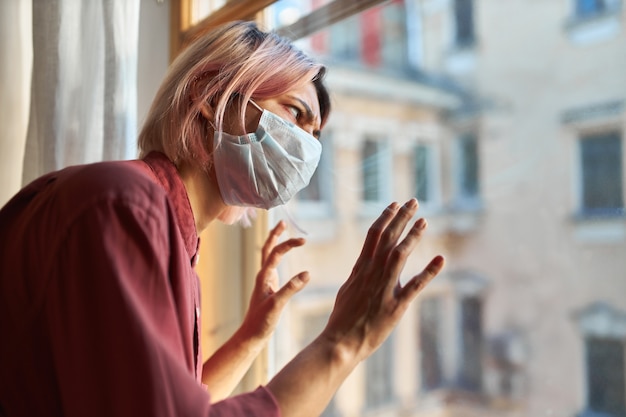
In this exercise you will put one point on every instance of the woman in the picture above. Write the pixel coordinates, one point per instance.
(99, 309)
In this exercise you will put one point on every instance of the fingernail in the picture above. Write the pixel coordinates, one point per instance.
(393, 206)
(421, 223)
(411, 203)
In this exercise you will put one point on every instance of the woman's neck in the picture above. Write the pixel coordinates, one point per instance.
(204, 196)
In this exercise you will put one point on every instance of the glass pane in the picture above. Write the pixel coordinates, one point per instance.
(469, 167)
(516, 137)
(470, 376)
(601, 157)
(430, 350)
(422, 166)
(605, 369)
(370, 168)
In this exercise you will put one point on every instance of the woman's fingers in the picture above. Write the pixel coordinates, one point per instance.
(400, 253)
(376, 230)
(271, 240)
(395, 228)
(273, 258)
(291, 287)
(410, 290)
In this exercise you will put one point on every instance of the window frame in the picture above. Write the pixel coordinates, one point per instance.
(606, 212)
(433, 175)
(599, 320)
(384, 160)
(461, 200)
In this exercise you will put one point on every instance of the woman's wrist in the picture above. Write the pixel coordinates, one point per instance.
(249, 341)
(339, 352)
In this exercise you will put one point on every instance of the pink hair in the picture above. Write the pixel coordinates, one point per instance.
(236, 61)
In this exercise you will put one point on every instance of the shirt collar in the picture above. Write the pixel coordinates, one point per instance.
(167, 175)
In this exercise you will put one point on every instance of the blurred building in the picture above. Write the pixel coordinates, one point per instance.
(505, 119)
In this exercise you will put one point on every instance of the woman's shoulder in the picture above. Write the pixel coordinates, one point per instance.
(97, 189)
(109, 180)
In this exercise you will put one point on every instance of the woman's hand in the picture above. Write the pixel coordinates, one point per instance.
(267, 300)
(367, 308)
(372, 301)
(225, 368)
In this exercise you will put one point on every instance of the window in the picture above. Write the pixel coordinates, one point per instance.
(375, 38)
(345, 44)
(604, 338)
(316, 199)
(605, 376)
(601, 182)
(470, 369)
(393, 42)
(425, 176)
(429, 336)
(594, 21)
(464, 20)
(586, 8)
(468, 187)
(451, 335)
(374, 171)
(379, 376)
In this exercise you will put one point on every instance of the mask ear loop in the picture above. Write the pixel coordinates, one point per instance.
(257, 106)
(290, 220)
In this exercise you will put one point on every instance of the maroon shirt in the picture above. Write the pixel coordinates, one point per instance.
(99, 299)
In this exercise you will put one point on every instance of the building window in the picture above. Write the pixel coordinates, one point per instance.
(605, 376)
(468, 184)
(425, 176)
(374, 171)
(394, 47)
(451, 321)
(345, 40)
(464, 23)
(316, 199)
(470, 369)
(375, 38)
(603, 329)
(379, 376)
(601, 179)
(588, 8)
(429, 336)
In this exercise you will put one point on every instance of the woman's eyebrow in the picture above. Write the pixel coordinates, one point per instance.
(310, 117)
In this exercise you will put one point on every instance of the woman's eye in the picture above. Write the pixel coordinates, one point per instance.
(295, 112)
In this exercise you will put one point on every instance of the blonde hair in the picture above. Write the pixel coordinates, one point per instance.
(234, 61)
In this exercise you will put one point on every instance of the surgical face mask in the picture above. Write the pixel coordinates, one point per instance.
(266, 168)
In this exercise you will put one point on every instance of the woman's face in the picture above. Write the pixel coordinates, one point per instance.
(299, 106)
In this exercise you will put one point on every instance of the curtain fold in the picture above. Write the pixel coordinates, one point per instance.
(83, 93)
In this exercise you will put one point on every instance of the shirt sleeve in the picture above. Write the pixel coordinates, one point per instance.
(115, 333)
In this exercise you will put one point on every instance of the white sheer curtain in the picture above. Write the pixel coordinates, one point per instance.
(83, 94)
(15, 69)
